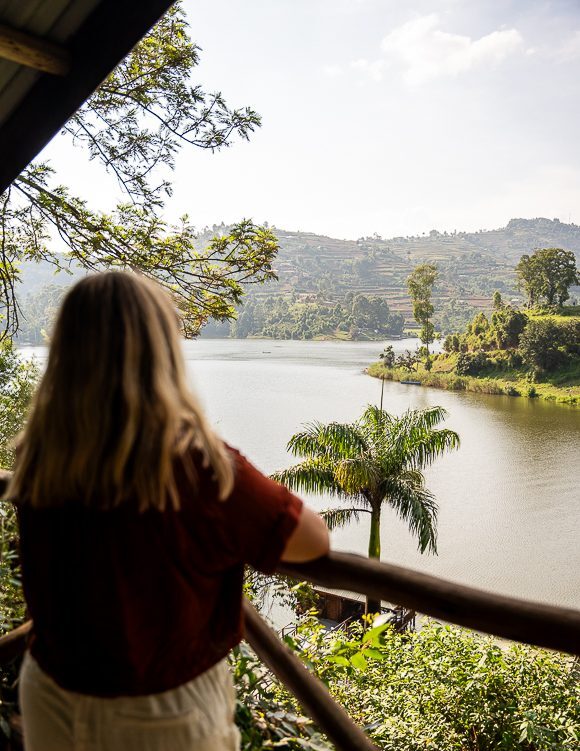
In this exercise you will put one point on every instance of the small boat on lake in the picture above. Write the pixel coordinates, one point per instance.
(411, 383)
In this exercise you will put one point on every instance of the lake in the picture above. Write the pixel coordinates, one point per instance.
(509, 498)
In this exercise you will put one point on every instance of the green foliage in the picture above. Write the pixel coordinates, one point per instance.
(134, 125)
(17, 383)
(547, 275)
(388, 356)
(266, 717)
(356, 317)
(502, 332)
(420, 285)
(442, 688)
(407, 360)
(471, 363)
(508, 325)
(545, 345)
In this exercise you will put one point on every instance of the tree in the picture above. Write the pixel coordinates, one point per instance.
(388, 356)
(134, 125)
(374, 461)
(497, 300)
(547, 275)
(541, 345)
(507, 325)
(420, 285)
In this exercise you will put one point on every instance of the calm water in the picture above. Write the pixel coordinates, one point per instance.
(509, 498)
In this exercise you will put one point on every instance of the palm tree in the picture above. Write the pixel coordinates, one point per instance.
(376, 460)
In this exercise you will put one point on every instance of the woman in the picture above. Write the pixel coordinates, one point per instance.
(135, 523)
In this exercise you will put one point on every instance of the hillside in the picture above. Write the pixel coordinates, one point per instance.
(472, 266)
(316, 273)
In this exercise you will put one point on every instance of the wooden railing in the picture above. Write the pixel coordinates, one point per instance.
(519, 620)
(510, 618)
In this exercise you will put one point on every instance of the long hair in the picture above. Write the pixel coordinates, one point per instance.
(113, 410)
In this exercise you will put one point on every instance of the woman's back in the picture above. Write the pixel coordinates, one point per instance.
(130, 603)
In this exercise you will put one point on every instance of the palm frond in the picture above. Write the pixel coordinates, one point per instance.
(310, 476)
(333, 440)
(420, 419)
(416, 506)
(336, 518)
(356, 475)
(425, 447)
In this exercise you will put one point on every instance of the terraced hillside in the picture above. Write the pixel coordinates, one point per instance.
(319, 275)
(472, 265)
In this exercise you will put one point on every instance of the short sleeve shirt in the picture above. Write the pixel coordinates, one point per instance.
(128, 603)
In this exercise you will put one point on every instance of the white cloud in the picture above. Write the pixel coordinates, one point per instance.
(425, 52)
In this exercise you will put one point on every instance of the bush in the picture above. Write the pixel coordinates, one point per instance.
(542, 345)
(471, 363)
(442, 688)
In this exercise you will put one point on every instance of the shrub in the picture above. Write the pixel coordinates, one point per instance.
(542, 343)
(442, 688)
(471, 363)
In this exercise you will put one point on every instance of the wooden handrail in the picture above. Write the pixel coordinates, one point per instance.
(507, 617)
(309, 690)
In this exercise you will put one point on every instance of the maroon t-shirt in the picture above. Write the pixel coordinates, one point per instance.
(128, 603)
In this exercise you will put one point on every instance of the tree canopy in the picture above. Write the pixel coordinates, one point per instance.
(420, 285)
(547, 275)
(134, 125)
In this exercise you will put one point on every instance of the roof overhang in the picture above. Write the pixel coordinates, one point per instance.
(53, 55)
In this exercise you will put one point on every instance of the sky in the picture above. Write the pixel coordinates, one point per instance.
(381, 116)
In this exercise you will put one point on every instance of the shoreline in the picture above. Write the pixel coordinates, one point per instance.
(521, 387)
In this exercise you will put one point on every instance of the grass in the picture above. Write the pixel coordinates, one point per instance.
(562, 387)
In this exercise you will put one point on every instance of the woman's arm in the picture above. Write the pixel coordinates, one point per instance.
(309, 539)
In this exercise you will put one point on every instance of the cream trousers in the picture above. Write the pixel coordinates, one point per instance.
(197, 716)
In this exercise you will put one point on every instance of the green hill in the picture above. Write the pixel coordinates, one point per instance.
(319, 276)
(316, 268)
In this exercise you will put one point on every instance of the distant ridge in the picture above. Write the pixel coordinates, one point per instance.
(472, 264)
(317, 268)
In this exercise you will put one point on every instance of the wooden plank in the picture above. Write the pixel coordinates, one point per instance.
(510, 618)
(33, 52)
(309, 690)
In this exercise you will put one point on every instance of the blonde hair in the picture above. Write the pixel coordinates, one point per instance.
(113, 410)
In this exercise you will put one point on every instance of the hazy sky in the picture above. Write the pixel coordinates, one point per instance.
(385, 116)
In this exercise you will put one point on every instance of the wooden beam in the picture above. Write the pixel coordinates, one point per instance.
(307, 688)
(519, 620)
(33, 52)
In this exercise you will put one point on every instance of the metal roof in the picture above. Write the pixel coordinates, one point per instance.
(95, 35)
